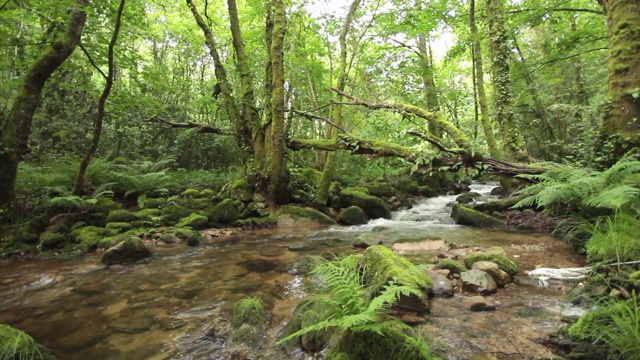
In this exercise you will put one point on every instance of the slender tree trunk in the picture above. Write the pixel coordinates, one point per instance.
(278, 175)
(428, 82)
(80, 184)
(17, 127)
(322, 195)
(511, 137)
(621, 121)
(487, 126)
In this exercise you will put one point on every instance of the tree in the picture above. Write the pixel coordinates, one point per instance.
(17, 127)
(621, 121)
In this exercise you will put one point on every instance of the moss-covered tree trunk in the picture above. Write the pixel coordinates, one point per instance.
(80, 184)
(278, 193)
(487, 126)
(17, 127)
(621, 121)
(512, 141)
(328, 173)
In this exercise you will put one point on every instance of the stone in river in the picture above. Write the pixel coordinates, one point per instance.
(478, 281)
(478, 303)
(493, 269)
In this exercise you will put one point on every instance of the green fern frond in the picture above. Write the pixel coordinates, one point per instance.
(613, 198)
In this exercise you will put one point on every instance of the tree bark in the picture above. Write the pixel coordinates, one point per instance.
(80, 185)
(513, 143)
(487, 125)
(17, 127)
(621, 121)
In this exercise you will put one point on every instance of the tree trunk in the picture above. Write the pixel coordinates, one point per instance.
(15, 132)
(511, 137)
(80, 185)
(487, 126)
(621, 121)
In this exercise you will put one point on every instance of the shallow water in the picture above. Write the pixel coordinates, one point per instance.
(177, 304)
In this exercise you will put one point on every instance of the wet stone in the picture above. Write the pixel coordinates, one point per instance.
(247, 287)
(300, 247)
(88, 334)
(442, 286)
(168, 324)
(258, 265)
(91, 288)
(188, 293)
(491, 268)
(478, 303)
(132, 322)
(478, 281)
(272, 251)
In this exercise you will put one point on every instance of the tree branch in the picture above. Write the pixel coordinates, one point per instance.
(311, 116)
(592, 11)
(566, 58)
(202, 128)
(93, 63)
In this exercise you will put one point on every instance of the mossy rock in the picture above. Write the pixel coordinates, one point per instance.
(464, 215)
(407, 186)
(373, 206)
(51, 240)
(289, 216)
(172, 213)
(120, 216)
(191, 237)
(258, 221)
(383, 265)
(154, 203)
(90, 235)
(427, 191)
(453, 266)
(110, 241)
(362, 189)
(353, 215)
(308, 176)
(191, 193)
(378, 188)
(195, 221)
(104, 205)
(225, 213)
(119, 226)
(148, 214)
(493, 255)
(130, 250)
(467, 198)
(241, 190)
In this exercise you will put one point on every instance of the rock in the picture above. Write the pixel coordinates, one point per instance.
(478, 281)
(191, 193)
(147, 214)
(168, 238)
(427, 191)
(119, 227)
(497, 191)
(120, 216)
(496, 255)
(467, 198)
(130, 250)
(132, 321)
(241, 190)
(353, 215)
(172, 213)
(413, 319)
(51, 240)
(500, 276)
(451, 265)
(225, 213)
(295, 216)
(194, 221)
(369, 239)
(88, 334)
(464, 215)
(478, 303)
(258, 265)
(442, 286)
(373, 206)
(90, 235)
(300, 247)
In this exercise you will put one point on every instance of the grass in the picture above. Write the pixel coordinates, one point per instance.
(17, 345)
(249, 310)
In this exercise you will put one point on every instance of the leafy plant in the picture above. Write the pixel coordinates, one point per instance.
(249, 310)
(17, 345)
(359, 315)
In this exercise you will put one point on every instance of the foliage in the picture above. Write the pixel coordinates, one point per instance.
(17, 345)
(357, 312)
(613, 237)
(616, 324)
(249, 310)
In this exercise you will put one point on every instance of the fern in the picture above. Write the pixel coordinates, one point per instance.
(15, 344)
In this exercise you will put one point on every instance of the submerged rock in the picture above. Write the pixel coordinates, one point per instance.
(130, 250)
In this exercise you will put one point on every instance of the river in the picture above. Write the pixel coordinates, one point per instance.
(176, 304)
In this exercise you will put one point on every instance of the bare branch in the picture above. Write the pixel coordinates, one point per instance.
(202, 128)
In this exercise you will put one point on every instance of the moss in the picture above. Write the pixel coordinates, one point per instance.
(154, 203)
(241, 190)
(379, 188)
(502, 260)
(309, 176)
(104, 205)
(119, 226)
(427, 191)
(383, 265)
(120, 216)
(464, 215)
(258, 221)
(225, 213)
(353, 215)
(298, 213)
(194, 220)
(130, 250)
(110, 241)
(191, 193)
(147, 214)
(192, 237)
(373, 206)
(453, 266)
(90, 235)
(172, 213)
(51, 240)
(362, 189)
(407, 186)
(208, 193)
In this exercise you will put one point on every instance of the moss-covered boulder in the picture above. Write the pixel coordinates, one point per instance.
(464, 215)
(381, 189)
(225, 213)
(373, 206)
(148, 214)
(119, 227)
(194, 221)
(407, 186)
(241, 190)
(295, 216)
(453, 266)
(353, 215)
(90, 235)
(51, 240)
(172, 213)
(467, 198)
(120, 216)
(191, 237)
(154, 203)
(427, 191)
(130, 250)
(104, 205)
(191, 193)
(494, 255)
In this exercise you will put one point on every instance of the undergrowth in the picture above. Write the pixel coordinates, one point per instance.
(17, 345)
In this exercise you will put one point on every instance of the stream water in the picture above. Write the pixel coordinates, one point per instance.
(175, 305)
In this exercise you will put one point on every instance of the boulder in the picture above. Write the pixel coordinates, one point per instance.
(353, 215)
(240, 190)
(478, 281)
(499, 275)
(225, 213)
(496, 255)
(453, 266)
(478, 303)
(373, 206)
(294, 216)
(130, 250)
(427, 191)
(442, 286)
(194, 221)
(120, 216)
(464, 215)
(467, 198)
